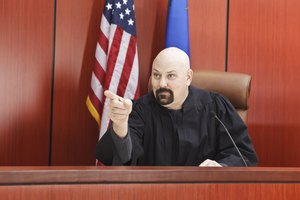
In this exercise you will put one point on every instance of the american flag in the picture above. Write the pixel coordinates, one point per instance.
(116, 67)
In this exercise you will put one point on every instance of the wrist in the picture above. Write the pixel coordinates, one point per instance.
(120, 129)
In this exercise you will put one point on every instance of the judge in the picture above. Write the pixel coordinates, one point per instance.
(172, 125)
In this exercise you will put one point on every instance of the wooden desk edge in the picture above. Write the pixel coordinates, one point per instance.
(107, 175)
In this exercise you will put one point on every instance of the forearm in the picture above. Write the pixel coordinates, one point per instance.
(123, 146)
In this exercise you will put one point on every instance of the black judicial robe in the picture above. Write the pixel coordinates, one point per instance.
(162, 137)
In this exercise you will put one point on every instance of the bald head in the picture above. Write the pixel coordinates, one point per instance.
(172, 55)
(171, 76)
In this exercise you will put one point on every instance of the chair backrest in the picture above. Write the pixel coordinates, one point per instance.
(234, 86)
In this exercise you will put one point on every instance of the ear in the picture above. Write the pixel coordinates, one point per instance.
(189, 77)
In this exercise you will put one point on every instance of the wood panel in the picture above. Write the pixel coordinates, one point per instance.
(264, 42)
(149, 183)
(25, 81)
(75, 132)
(207, 20)
(179, 191)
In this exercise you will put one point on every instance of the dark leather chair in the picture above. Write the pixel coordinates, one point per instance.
(234, 86)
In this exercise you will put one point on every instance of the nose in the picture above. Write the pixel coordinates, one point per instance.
(163, 83)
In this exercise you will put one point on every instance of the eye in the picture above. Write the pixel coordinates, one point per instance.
(156, 76)
(171, 76)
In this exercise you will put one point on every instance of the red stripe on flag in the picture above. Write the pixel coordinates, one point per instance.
(95, 101)
(131, 50)
(103, 41)
(99, 72)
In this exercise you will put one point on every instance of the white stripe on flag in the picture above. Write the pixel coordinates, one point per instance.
(101, 57)
(133, 79)
(115, 80)
(105, 26)
(113, 28)
(104, 119)
(96, 87)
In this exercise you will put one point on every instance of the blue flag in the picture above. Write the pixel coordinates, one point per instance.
(177, 33)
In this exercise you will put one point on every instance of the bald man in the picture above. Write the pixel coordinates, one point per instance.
(172, 124)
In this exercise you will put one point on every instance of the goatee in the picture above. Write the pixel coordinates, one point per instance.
(164, 96)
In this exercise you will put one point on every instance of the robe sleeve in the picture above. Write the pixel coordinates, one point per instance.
(112, 150)
(227, 154)
(136, 124)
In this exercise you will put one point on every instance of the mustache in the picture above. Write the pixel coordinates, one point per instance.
(163, 90)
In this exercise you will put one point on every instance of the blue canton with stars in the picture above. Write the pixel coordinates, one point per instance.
(121, 13)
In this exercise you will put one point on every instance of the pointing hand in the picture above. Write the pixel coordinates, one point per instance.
(118, 111)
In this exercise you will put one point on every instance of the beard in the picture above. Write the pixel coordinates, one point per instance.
(164, 96)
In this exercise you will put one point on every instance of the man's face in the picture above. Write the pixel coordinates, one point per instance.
(170, 79)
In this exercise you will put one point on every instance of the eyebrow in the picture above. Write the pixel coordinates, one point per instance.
(172, 71)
